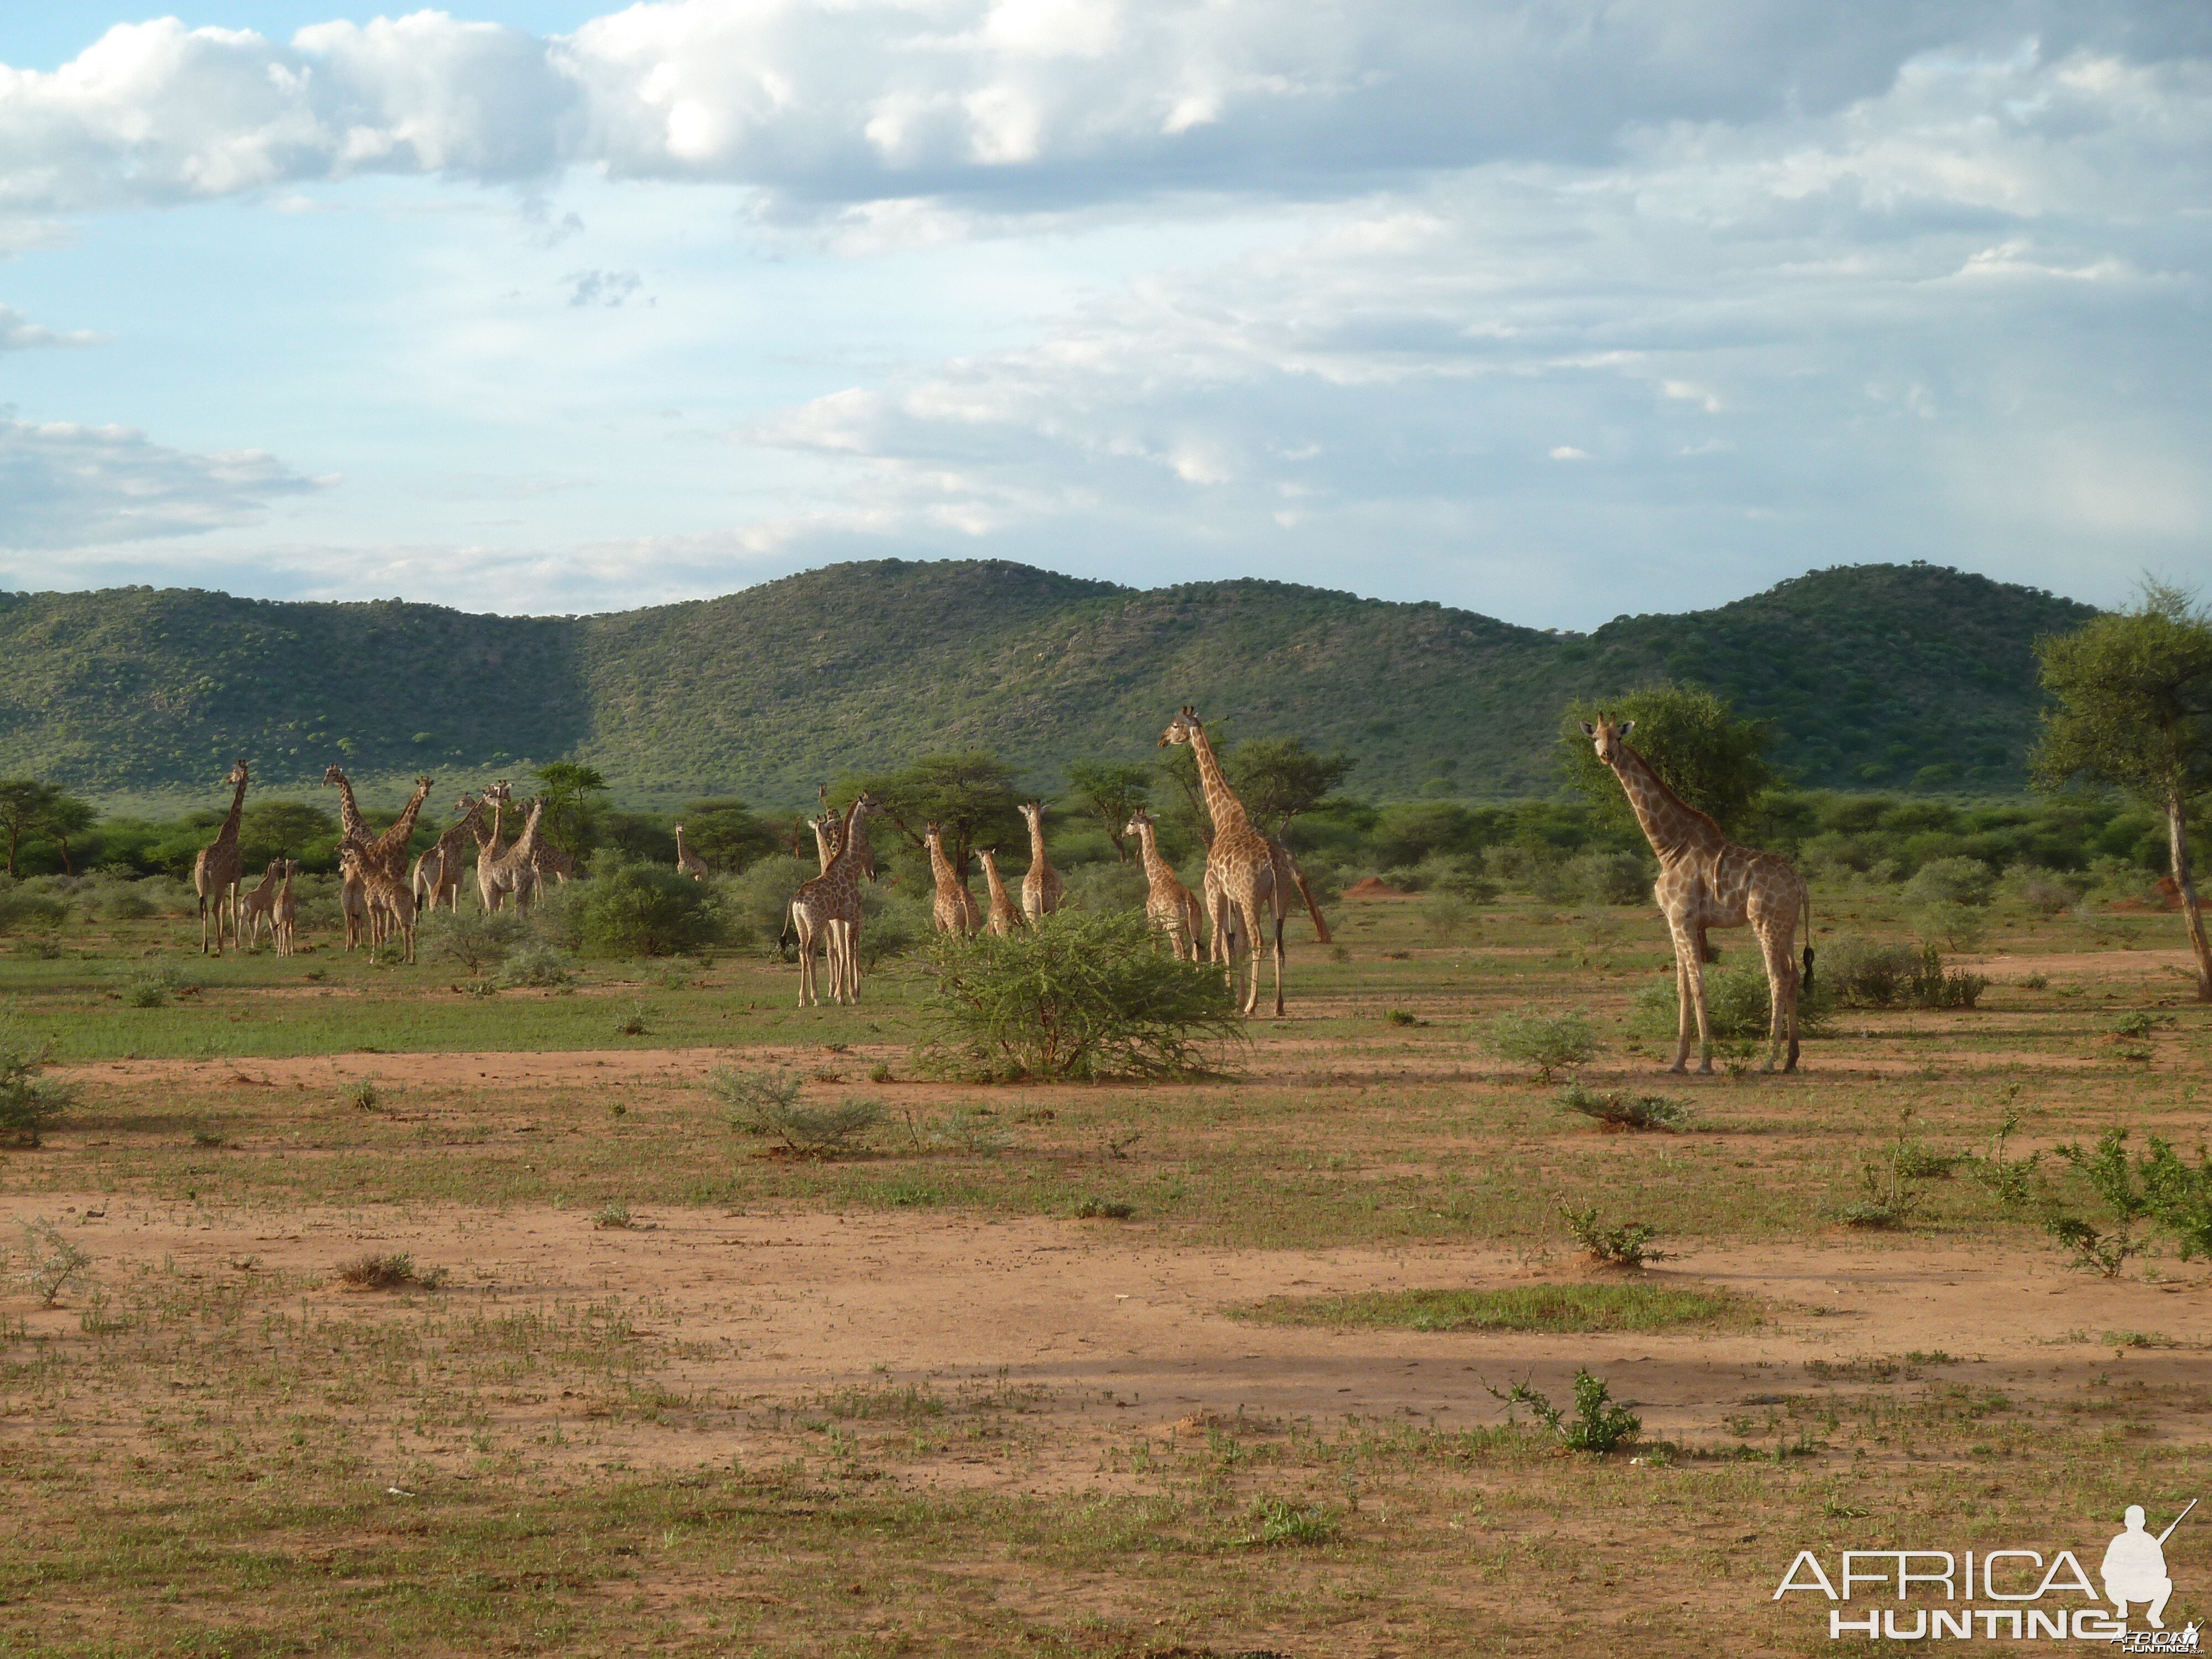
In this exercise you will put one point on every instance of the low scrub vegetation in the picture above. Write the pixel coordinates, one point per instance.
(1597, 1424)
(768, 1103)
(29, 1100)
(1562, 1307)
(1550, 1042)
(1077, 996)
(1617, 1108)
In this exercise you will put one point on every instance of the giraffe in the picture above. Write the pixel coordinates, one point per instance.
(825, 839)
(353, 831)
(1171, 906)
(489, 847)
(865, 853)
(391, 903)
(551, 861)
(284, 920)
(1005, 918)
(1042, 890)
(1241, 881)
(216, 875)
(828, 908)
(954, 908)
(1706, 880)
(437, 871)
(515, 871)
(388, 852)
(688, 862)
(260, 906)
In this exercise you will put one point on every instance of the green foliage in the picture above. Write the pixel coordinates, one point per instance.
(1952, 881)
(2159, 1187)
(2009, 1180)
(1608, 877)
(1857, 973)
(50, 1260)
(633, 908)
(1111, 791)
(1550, 1042)
(1281, 1521)
(767, 1103)
(1891, 1182)
(1624, 1246)
(726, 833)
(477, 941)
(29, 1102)
(1598, 1425)
(573, 794)
(1617, 1110)
(287, 829)
(1739, 1005)
(758, 903)
(24, 802)
(2133, 701)
(970, 796)
(1634, 1305)
(546, 967)
(1078, 995)
(1690, 738)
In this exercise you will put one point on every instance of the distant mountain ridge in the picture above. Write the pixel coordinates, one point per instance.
(1874, 676)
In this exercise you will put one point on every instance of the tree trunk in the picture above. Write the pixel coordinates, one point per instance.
(2176, 829)
(14, 836)
(66, 868)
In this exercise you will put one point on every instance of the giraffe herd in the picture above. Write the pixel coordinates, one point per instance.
(1252, 885)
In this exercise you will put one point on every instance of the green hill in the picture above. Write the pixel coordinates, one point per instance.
(1883, 675)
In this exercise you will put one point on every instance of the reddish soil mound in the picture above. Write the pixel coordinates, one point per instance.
(1371, 887)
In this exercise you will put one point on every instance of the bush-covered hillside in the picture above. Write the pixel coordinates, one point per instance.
(1904, 677)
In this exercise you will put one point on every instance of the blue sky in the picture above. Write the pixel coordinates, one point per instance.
(1553, 311)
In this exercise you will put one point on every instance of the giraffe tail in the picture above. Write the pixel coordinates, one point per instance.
(1805, 985)
(1313, 906)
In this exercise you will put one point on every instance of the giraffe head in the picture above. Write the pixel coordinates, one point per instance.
(276, 869)
(1181, 727)
(867, 806)
(679, 828)
(236, 778)
(500, 792)
(990, 857)
(1033, 815)
(1608, 736)
(1140, 821)
(334, 776)
(466, 804)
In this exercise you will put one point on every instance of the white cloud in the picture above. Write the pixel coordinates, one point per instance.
(19, 333)
(64, 486)
(1012, 102)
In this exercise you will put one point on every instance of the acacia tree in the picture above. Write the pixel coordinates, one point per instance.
(1112, 790)
(571, 794)
(2134, 713)
(23, 803)
(1693, 741)
(725, 834)
(969, 797)
(65, 818)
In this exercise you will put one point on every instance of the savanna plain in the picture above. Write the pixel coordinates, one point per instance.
(413, 1316)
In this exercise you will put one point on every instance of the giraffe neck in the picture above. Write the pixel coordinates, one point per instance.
(526, 845)
(228, 835)
(991, 877)
(1036, 842)
(350, 821)
(1221, 804)
(679, 846)
(398, 835)
(1671, 825)
(1148, 843)
(842, 861)
(941, 867)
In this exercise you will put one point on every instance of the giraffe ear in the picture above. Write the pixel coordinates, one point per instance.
(1588, 731)
(1626, 727)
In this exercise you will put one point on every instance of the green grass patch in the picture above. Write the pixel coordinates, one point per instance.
(1515, 1308)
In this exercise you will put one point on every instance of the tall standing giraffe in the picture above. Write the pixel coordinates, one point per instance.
(1706, 880)
(828, 909)
(515, 870)
(954, 906)
(1042, 890)
(1005, 918)
(285, 918)
(1243, 893)
(1169, 905)
(216, 875)
(490, 848)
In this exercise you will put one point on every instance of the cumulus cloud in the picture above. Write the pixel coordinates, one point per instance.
(19, 333)
(65, 486)
(999, 103)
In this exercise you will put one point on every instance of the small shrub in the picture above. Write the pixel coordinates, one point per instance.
(631, 907)
(1399, 1017)
(1598, 1425)
(1933, 986)
(767, 1103)
(395, 1271)
(973, 1130)
(1549, 1042)
(879, 1073)
(1096, 1209)
(50, 1260)
(2035, 981)
(1446, 915)
(891, 927)
(1860, 973)
(758, 900)
(29, 1102)
(1618, 1109)
(1624, 1246)
(1956, 927)
(1952, 881)
(545, 966)
(2159, 1187)
(152, 987)
(2038, 890)
(1106, 886)
(1282, 1522)
(477, 940)
(2010, 1180)
(122, 900)
(634, 1024)
(1891, 1181)
(615, 1215)
(1077, 996)
(1738, 1006)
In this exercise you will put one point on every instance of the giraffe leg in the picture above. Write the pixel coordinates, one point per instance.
(1697, 994)
(1684, 998)
(1783, 985)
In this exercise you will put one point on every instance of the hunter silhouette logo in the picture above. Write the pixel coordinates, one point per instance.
(2035, 1599)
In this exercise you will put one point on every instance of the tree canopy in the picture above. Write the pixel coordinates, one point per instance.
(1111, 790)
(572, 795)
(970, 796)
(23, 803)
(1693, 741)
